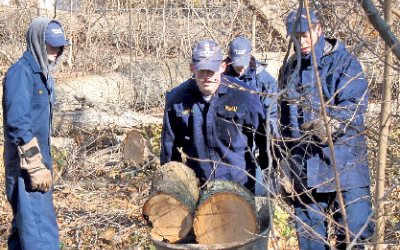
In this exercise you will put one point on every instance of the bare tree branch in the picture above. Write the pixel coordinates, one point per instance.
(380, 25)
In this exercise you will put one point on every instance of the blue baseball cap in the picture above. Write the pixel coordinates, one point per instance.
(302, 25)
(239, 51)
(55, 36)
(207, 55)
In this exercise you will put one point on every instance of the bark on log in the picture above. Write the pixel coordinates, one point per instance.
(226, 213)
(172, 202)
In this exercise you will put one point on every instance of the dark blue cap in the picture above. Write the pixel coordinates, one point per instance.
(207, 55)
(55, 36)
(302, 25)
(239, 51)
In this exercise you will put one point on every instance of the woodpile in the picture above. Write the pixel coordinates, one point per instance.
(224, 213)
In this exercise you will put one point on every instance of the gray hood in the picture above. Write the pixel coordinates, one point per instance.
(35, 39)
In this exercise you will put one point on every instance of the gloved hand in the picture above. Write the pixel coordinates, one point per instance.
(39, 177)
(285, 177)
(317, 128)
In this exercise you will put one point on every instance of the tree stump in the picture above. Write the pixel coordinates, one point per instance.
(134, 147)
(226, 214)
(172, 202)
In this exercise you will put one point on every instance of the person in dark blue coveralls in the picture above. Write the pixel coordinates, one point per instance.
(28, 108)
(309, 176)
(212, 119)
(242, 65)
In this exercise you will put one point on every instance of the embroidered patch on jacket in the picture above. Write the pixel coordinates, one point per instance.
(187, 111)
(231, 108)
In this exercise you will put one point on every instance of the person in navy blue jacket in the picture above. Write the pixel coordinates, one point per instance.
(242, 65)
(308, 172)
(211, 119)
(28, 108)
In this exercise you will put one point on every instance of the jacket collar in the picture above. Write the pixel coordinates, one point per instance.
(319, 47)
(32, 62)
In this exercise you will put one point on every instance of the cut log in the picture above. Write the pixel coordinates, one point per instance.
(226, 214)
(173, 198)
(134, 147)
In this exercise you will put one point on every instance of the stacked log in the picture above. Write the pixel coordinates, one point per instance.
(172, 202)
(226, 213)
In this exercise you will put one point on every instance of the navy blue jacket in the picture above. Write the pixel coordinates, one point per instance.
(346, 93)
(258, 78)
(215, 136)
(27, 104)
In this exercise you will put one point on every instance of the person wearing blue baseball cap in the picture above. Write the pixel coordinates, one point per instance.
(308, 174)
(28, 100)
(209, 120)
(242, 65)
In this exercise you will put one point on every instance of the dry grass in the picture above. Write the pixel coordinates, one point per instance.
(104, 215)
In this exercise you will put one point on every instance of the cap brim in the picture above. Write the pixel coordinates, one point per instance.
(301, 27)
(207, 65)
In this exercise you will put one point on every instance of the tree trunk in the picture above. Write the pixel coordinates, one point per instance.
(383, 140)
(172, 202)
(267, 15)
(226, 214)
(381, 26)
(106, 101)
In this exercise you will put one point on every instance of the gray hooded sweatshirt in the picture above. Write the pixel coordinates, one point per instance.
(35, 39)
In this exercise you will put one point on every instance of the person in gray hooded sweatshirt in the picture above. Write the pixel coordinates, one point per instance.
(28, 99)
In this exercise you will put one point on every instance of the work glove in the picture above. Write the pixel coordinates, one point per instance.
(39, 177)
(317, 128)
(285, 177)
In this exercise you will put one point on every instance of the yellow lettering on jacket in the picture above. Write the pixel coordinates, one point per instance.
(187, 111)
(228, 108)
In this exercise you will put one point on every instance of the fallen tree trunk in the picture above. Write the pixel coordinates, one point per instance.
(268, 16)
(172, 202)
(226, 213)
(106, 101)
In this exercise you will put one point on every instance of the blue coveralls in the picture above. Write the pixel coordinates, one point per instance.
(216, 136)
(27, 108)
(345, 88)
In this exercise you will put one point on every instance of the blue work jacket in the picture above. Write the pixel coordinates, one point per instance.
(345, 92)
(216, 136)
(258, 78)
(27, 104)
